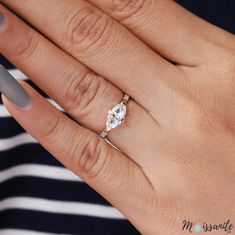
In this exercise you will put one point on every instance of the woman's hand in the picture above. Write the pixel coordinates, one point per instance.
(177, 158)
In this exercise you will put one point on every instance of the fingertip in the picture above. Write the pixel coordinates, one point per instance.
(22, 103)
(14, 91)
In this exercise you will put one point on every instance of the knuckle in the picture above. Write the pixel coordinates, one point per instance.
(200, 118)
(125, 9)
(92, 157)
(211, 116)
(50, 126)
(207, 119)
(27, 46)
(81, 92)
(86, 28)
(195, 114)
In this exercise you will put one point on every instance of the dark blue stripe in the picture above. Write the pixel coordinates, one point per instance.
(64, 223)
(50, 189)
(28, 153)
(9, 127)
(5, 62)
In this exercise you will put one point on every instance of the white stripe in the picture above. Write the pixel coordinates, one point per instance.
(37, 170)
(63, 207)
(8, 143)
(4, 112)
(55, 104)
(17, 74)
(23, 232)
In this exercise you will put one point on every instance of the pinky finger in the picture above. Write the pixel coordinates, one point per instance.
(104, 168)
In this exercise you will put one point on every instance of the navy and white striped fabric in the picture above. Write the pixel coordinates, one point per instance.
(38, 196)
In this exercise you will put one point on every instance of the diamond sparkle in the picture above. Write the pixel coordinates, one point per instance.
(116, 116)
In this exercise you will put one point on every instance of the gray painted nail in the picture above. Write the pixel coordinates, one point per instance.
(12, 89)
(2, 18)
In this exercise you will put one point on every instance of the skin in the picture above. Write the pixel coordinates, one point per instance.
(177, 145)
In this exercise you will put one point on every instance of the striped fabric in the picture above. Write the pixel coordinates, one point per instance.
(40, 196)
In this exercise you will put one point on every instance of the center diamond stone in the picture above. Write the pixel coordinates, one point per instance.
(116, 116)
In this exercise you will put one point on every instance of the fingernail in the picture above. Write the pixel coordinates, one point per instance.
(13, 90)
(2, 18)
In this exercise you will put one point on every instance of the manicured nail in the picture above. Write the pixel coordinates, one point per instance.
(13, 90)
(2, 18)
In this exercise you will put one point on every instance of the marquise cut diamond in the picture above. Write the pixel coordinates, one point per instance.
(116, 116)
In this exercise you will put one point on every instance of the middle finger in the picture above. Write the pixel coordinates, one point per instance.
(106, 47)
